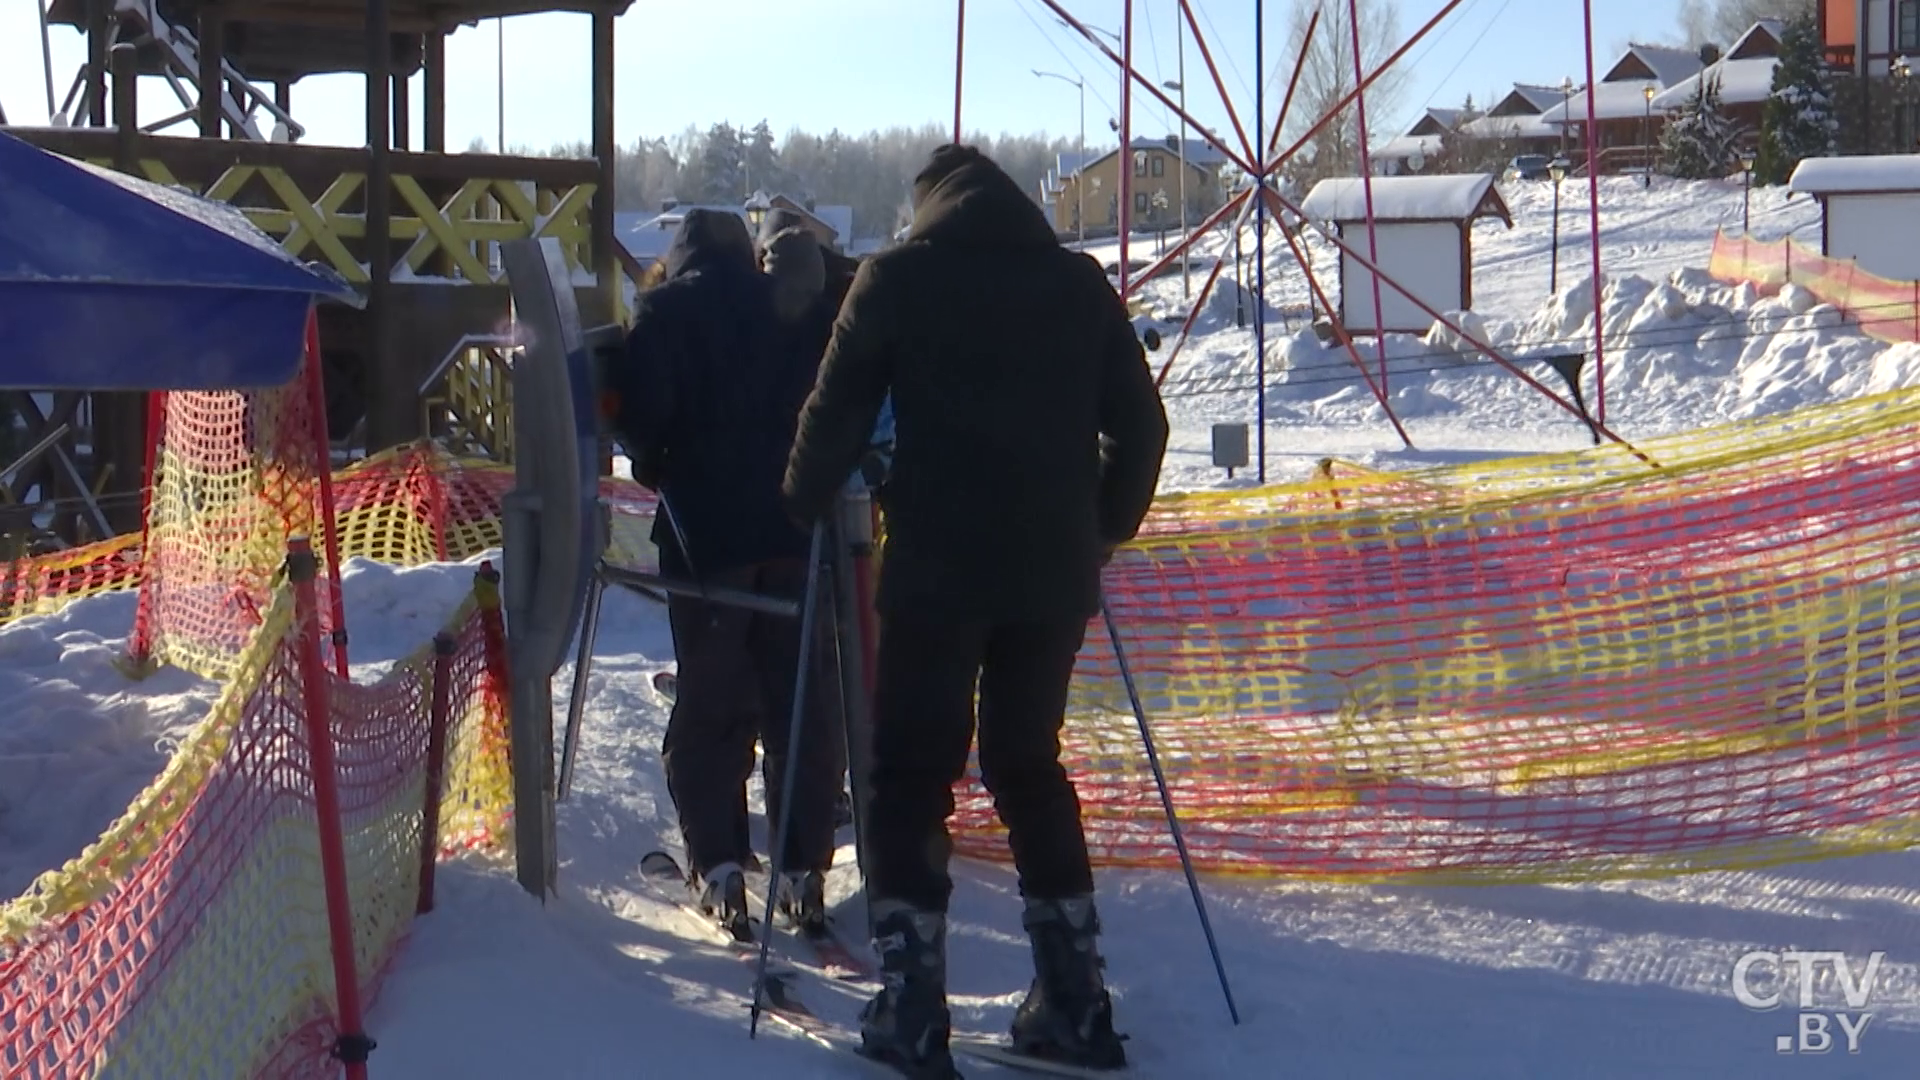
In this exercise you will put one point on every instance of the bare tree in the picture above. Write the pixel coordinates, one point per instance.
(1721, 22)
(1327, 77)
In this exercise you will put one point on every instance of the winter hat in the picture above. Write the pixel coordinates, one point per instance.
(798, 270)
(777, 221)
(945, 161)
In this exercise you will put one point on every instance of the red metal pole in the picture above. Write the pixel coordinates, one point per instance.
(959, 66)
(1346, 339)
(330, 536)
(352, 1045)
(444, 645)
(1293, 84)
(1126, 140)
(1191, 239)
(1366, 190)
(1240, 202)
(1593, 214)
(1465, 335)
(140, 641)
(1220, 84)
(1131, 76)
(1365, 83)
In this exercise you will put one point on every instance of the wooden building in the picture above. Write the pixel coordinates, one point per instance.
(416, 227)
(1423, 232)
(1628, 125)
(1155, 186)
(1869, 210)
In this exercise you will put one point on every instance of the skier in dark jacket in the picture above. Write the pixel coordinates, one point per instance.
(839, 269)
(706, 406)
(1020, 463)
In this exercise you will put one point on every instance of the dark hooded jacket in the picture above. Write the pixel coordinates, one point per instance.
(706, 405)
(1028, 432)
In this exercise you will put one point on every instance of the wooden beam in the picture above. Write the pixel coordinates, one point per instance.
(391, 404)
(435, 120)
(402, 111)
(98, 19)
(212, 79)
(606, 268)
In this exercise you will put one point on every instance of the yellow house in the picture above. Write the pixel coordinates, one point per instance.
(1155, 186)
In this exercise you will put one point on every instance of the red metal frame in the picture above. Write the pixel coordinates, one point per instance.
(1593, 213)
(329, 535)
(140, 640)
(959, 67)
(1366, 190)
(317, 707)
(1126, 145)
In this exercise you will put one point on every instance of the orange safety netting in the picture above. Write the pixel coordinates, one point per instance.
(235, 473)
(1886, 310)
(191, 940)
(1552, 668)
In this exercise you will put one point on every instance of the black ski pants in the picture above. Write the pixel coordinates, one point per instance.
(736, 682)
(923, 725)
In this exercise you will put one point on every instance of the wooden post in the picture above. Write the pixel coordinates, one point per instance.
(213, 80)
(99, 17)
(444, 647)
(435, 120)
(605, 267)
(402, 108)
(389, 413)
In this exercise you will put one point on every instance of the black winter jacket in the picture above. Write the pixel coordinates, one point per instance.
(1011, 363)
(707, 401)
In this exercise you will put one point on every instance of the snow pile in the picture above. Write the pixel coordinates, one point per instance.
(78, 740)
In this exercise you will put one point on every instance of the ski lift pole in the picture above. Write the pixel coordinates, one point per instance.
(809, 605)
(1166, 803)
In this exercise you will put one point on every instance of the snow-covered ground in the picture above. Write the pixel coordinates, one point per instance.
(1630, 979)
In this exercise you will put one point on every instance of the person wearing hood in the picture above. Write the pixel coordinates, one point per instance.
(1029, 443)
(837, 268)
(705, 403)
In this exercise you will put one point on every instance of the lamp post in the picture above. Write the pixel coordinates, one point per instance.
(1080, 155)
(1566, 112)
(1186, 284)
(1746, 194)
(1646, 139)
(1557, 169)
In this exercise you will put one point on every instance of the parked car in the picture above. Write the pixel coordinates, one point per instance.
(1530, 167)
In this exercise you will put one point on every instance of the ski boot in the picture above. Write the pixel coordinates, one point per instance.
(722, 894)
(906, 1026)
(1067, 1016)
(803, 901)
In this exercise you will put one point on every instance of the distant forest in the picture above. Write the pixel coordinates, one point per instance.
(873, 173)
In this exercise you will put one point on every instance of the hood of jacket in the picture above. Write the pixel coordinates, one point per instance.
(964, 199)
(709, 240)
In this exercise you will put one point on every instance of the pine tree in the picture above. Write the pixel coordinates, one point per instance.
(764, 171)
(1797, 122)
(1700, 142)
(723, 166)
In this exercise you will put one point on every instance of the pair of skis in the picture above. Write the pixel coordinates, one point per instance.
(833, 959)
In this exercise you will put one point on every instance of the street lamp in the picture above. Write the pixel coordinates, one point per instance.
(1557, 168)
(1566, 111)
(1646, 139)
(1080, 154)
(1186, 268)
(1746, 194)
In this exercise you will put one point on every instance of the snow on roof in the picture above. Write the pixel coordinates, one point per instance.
(1541, 98)
(1407, 198)
(1761, 39)
(1742, 82)
(1856, 175)
(1612, 101)
(1407, 146)
(1510, 127)
(838, 218)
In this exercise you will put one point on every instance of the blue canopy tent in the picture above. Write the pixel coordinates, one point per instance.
(108, 282)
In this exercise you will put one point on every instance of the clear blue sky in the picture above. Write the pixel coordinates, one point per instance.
(861, 64)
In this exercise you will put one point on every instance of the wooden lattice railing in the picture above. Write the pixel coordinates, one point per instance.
(450, 211)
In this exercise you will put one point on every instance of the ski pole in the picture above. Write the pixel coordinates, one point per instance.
(1166, 802)
(582, 670)
(780, 824)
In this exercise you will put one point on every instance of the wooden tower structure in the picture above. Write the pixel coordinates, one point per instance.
(413, 225)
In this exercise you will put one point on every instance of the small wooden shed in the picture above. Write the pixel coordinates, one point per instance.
(1870, 210)
(1424, 230)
